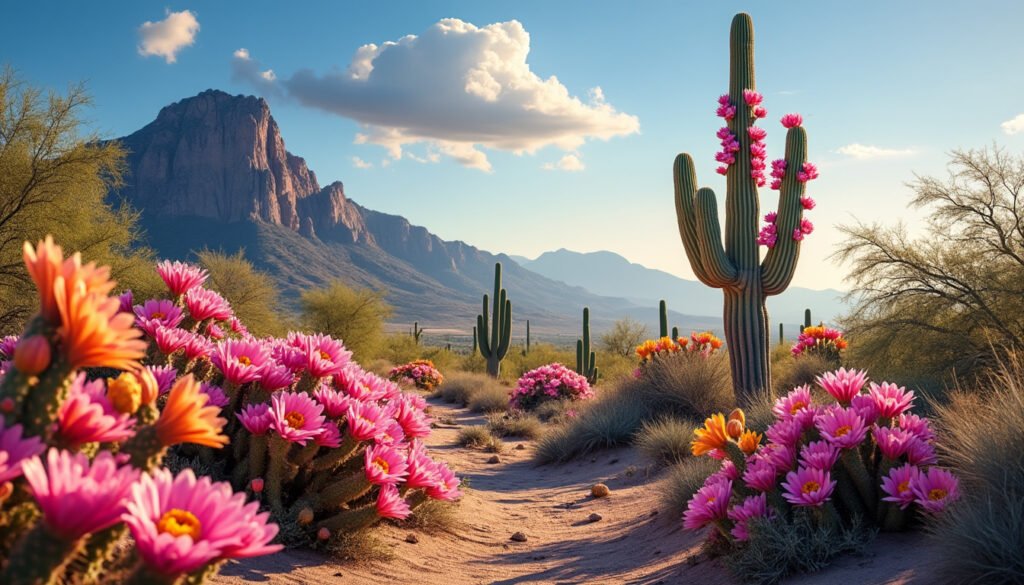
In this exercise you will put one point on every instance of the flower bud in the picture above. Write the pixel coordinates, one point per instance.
(125, 393)
(737, 414)
(323, 534)
(734, 428)
(256, 485)
(305, 516)
(32, 355)
(148, 384)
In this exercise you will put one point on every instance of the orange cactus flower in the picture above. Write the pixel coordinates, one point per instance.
(45, 263)
(93, 332)
(749, 441)
(712, 436)
(187, 418)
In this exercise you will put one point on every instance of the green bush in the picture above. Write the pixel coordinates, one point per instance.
(666, 441)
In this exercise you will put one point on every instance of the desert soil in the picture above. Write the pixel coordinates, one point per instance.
(632, 543)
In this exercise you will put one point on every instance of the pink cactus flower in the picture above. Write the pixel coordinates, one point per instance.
(727, 111)
(216, 395)
(899, 485)
(725, 158)
(757, 164)
(792, 404)
(255, 418)
(422, 471)
(808, 487)
(753, 98)
(757, 133)
(843, 384)
(759, 179)
(325, 356)
(7, 345)
(758, 150)
(893, 442)
(126, 299)
(808, 173)
(842, 427)
(296, 417)
(725, 134)
(415, 423)
(181, 524)
(165, 377)
(197, 347)
(275, 376)
(782, 457)
(807, 203)
(798, 235)
(384, 465)
(180, 277)
(776, 184)
(335, 403)
(770, 217)
(87, 416)
(447, 489)
(865, 406)
(722, 170)
(723, 99)
(206, 304)
(157, 313)
(806, 227)
(77, 497)
(170, 339)
(890, 400)
(365, 420)
(916, 425)
(256, 485)
(819, 455)
(920, 452)
(792, 120)
(759, 112)
(390, 503)
(785, 432)
(752, 507)
(15, 450)
(238, 327)
(760, 473)
(709, 504)
(331, 437)
(213, 331)
(935, 489)
(240, 360)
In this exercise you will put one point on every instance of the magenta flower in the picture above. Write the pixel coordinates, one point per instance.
(899, 485)
(752, 97)
(920, 452)
(240, 360)
(180, 277)
(335, 403)
(890, 400)
(295, 416)
(722, 170)
(808, 173)
(757, 133)
(781, 456)
(365, 420)
(759, 112)
(843, 384)
(792, 120)
(785, 432)
(807, 203)
(206, 304)
(792, 404)
(15, 450)
(893, 442)
(760, 473)
(216, 395)
(935, 489)
(806, 227)
(798, 235)
(77, 497)
(819, 455)
(170, 339)
(197, 347)
(157, 313)
(727, 111)
(421, 469)
(126, 299)
(7, 345)
(808, 487)
(752, 507)
(916, 425)
(275, 376)
(331, 437)
(384, 465)
(181, 524)
(770, 217)
(87, 416)
(447, 489)
(709, 504)
(842, 427)
(864, 405)
(213, 331)
(324, 355)
(255, 418)
(390, 503)
(165, 377)
(414, 422)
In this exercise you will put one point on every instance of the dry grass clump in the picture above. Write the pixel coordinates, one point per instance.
(788, 373)
(682, 481)
(666, 441)
(489, 398)
(463, 387)
(515, 424)
(981, 437)
(610, 419)
(479, 437)
(434, 516)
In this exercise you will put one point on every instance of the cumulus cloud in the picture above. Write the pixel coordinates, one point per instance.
(247, 70)
(457, 88)
(360, 163)
(1014, 126)
(164, 38)
(569, 162)
(864, 151)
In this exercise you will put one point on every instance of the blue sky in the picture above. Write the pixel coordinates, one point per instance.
(910, 80)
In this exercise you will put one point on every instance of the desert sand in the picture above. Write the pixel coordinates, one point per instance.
(633, 542)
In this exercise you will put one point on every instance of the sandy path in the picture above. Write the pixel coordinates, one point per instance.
(632, 543)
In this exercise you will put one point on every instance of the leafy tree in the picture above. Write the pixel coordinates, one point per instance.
(952, 300)
(623, 337)
(354, 315)
(253, 294)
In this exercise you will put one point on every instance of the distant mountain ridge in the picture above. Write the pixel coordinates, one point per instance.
(609, 274)
(212, 171)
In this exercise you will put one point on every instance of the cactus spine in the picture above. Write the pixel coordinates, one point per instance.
(500, 326)
(662, 319)
(586, 360)
(737, 268)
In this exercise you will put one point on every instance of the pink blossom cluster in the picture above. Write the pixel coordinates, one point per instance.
(819, 339)
(768, 235)
(811, 447)
(550, 382)
(420, 373)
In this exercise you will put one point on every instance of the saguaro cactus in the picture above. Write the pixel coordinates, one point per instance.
(527, 350)
(782, 338)
(474, 339)
(807, 320)
(586, 360)
(416, 332)
(737, 268)
(499, 326)
(662, 319)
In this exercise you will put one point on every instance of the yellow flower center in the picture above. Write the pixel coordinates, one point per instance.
(936, 494)
(178, 522)
(324, 355)
(244, 360)
(799, 404)
(295, 419)
(842, 430)
(382, 465)
(124, 393)
(810, 486)
(157, 315)
(903, 487)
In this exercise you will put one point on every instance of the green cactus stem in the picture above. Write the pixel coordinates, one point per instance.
(807, 320)
(98, 553)
(474, 340)
(343, 491)
(39, 558)
(675, 333)
(500, 326)
(277, 473)
(782, 338)
(350, 521)
(662, 319)
(527, 337)
(143, 575)
(145, 449)
(416, 332)
(586, 360)
(737, 268)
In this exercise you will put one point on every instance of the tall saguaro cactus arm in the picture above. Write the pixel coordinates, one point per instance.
(499, 327)
(732, 261)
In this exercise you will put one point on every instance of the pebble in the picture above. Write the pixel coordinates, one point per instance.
(595, 517)
(519, 537)
(494, 459)
(520, 447)
(600, 490)
(412, 539)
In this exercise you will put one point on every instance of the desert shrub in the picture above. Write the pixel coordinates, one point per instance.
(555, 411)
(665, 440)
(614, 368)
(623, 337)
(398, 348)
(419, 373)
(516, 364)
(442, 358)
(682, 480)
(515, 424)
(758, 410)
(491, 397)
(479, 437)
(253, 294)
(433, 516)
(473, 362)
(461, 387)
(551, 382)
(778, 548)
(981, 435)
(612, 419)
(355, 315)
(797, 371)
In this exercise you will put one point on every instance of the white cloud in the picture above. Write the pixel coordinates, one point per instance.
(569, 162)
(360, 163)
(1014, 126)
(864, 152)
(166, 37)
(246, 69)
(457, 88)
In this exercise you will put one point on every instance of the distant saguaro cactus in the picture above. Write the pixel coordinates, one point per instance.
(662, 319)
(527, 350)
(474, 339)
(737, 268)
(782, 338)
(500, 326)
(807, 320)
(586, 360)
(416, 332)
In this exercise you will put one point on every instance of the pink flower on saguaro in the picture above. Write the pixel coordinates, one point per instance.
(757, 133)
(753, 98)
(759, 112)
(807, 203)
(808, 173)
(792, 120)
